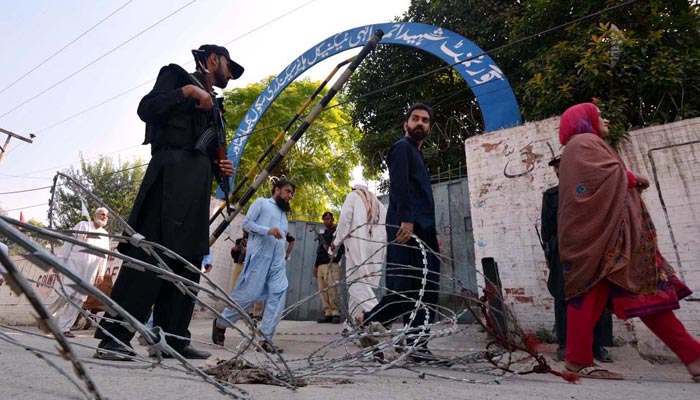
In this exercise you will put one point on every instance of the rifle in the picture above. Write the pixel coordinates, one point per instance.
(539, 237)
(320, 238)
(298, 133)
(217, 130)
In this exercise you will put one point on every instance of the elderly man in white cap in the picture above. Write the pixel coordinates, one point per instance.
(361, 229)
(83, 262)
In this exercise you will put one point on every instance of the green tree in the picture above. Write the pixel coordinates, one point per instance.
(639, 63)
(321, 162)
(114, 183)
(14, 248)
(457, 114)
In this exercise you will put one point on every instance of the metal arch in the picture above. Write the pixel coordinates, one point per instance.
(488, 83)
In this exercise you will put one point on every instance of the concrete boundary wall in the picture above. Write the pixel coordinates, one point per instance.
(16, 310)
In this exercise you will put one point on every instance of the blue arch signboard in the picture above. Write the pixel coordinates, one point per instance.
(488, 83)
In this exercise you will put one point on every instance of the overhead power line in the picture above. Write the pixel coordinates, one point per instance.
(79, 113)
(486, 52)
(97, 105)
(26, 207)
(399, 83)
(26, 174)
(269, 22)
(27, 190)
(96, 60)
(65, 47)
(48, 187)
(381, 89)
(90, 108)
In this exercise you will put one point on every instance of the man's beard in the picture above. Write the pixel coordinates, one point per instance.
(220, 80)
(417, 134)
(100, 223)
(283, 204)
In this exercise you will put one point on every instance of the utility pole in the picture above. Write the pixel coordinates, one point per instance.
(10, 135)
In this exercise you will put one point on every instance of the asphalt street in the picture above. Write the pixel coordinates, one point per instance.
(24, 376)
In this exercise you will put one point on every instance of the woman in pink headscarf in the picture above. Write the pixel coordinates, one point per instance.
(608, 247)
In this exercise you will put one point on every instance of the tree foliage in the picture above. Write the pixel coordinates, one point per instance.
(380, 107)
(638, 62)
(114, 183)
(321, 162)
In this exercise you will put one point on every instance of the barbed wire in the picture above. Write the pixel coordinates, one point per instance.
(349, 353)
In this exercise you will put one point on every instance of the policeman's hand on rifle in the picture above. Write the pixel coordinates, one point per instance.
(225, 166)
(203, 99)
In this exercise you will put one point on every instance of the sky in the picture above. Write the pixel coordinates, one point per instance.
(125, 52)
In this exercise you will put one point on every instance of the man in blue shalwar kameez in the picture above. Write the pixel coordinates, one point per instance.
(264, 276)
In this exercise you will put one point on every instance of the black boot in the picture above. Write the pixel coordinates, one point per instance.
(110, 350)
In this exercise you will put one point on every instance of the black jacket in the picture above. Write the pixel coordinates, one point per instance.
(322, 256)
(550, 205)
(410, 192)
(172, 205)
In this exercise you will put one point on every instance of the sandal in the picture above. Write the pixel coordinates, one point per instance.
(595, 372)
(695, 378)
(218, 335)
(268, 347)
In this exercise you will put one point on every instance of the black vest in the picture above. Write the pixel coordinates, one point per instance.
(183, 125)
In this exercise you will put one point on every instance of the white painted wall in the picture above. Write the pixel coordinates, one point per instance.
(506, 209)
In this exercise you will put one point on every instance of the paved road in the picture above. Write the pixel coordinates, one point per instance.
(24, 376)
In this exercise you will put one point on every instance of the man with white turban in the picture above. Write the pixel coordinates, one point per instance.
(361, 229)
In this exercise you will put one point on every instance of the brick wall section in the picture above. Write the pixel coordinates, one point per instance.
(507, 174)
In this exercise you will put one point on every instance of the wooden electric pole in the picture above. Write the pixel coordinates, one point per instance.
(10, 135)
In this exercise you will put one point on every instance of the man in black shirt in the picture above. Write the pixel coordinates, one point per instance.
(411, 211)
(172, 205)
(327, 272)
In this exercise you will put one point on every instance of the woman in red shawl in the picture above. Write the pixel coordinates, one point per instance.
(608, 247)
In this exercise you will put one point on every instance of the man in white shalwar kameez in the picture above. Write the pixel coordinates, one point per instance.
(264, 276)
(83, 263)
(362, 218)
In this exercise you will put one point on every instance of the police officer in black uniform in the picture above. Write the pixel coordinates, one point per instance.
(172, 205)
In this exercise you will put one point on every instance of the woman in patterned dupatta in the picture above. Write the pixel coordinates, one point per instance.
(608, 247)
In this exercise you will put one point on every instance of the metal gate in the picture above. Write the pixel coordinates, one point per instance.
(300, 266)
(453, 218)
